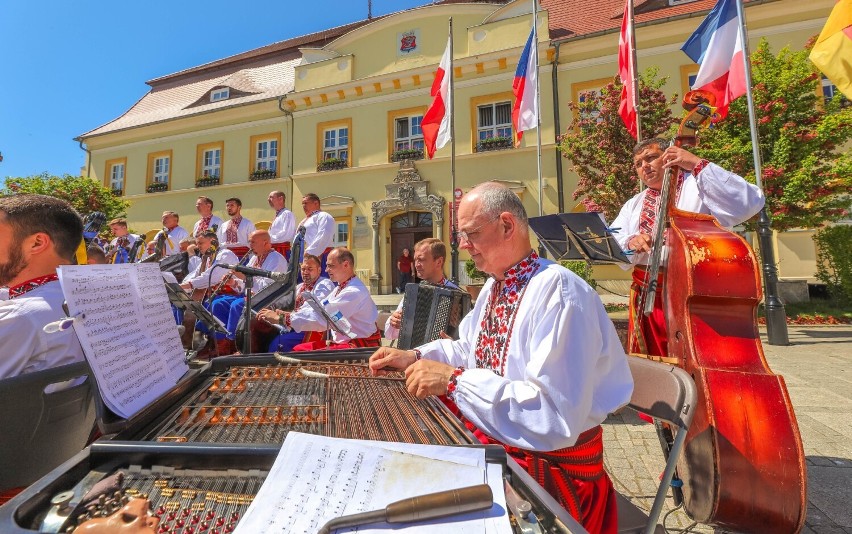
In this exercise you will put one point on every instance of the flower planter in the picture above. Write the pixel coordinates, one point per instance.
(494, 143)
(208, 181)
(412, 154)
(262, 175)
(331, 165)
(117, 192)
(157, 188)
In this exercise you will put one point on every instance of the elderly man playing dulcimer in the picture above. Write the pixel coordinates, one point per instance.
(538, 365)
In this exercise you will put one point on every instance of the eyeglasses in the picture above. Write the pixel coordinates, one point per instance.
(468, 236)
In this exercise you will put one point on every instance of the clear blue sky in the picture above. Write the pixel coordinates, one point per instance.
(68, 67)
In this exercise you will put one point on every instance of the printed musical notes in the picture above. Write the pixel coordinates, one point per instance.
(129, 335)
(317, 478)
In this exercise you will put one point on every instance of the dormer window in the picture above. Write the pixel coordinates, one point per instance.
(220, 94)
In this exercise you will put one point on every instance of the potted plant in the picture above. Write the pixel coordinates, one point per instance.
(262, 174)
(407, 153)
(494, 143)
(331, 164)
(207, 181)
(156, 187)
(117, 191)
(477, 279)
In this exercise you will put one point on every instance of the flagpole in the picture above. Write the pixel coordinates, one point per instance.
(635, 62)
(454, 241)
(537, 110)
(776, 318)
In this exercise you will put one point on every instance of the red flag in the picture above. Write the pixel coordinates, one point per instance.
(627, 73)
(436, 121)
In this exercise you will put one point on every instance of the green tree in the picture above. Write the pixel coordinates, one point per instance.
(806, 178)
(85, 194)
(600, 148)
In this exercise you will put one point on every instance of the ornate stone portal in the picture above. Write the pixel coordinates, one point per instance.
(407, 192)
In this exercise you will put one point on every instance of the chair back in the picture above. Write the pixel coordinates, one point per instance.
(47, 418)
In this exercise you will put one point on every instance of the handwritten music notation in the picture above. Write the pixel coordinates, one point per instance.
(129, 335)
(317, 478)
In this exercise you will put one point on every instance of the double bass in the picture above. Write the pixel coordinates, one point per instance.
(743, 464)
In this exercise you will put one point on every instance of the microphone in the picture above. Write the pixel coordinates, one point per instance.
(253, 271)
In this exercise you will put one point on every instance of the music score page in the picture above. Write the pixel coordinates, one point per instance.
(317, 478)
(128, 332)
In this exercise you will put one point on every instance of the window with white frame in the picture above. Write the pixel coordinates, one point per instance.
(336, 143)
(220, 94)
(161, 170)
(341, 234)
(408, 134)
(211, 163)
(267, 155)
(494, 120)
(116, 177)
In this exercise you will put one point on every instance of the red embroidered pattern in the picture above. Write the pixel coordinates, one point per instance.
(650, 207)
(299, 298)
(492, 344)
(29, 285)
(700, 167)
(231, 233)
(453, 383)
(341, 286)
(257, 261)
(203, 225)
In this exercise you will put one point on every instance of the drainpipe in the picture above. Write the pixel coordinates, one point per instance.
(88, 158)
(289, 114)
(558, 129)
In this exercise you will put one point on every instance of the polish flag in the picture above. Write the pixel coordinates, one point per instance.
(523, 87)
(627, 73)
(717, 48)
(436, 121)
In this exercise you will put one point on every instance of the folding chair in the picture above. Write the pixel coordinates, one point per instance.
(666, 393)
(47, 418)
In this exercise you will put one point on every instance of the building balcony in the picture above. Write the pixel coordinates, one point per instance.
(331, 164)
(263, 174)
(408, 153)
(208, 181)
(157, 187)
(494, 143)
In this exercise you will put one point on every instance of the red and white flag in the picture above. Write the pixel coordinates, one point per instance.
(436, 121)
(523, 87)
(627, 73)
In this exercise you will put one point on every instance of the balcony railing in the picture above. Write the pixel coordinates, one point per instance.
(494, 143)
(331, 164)
(263, 174)
(408, 153)
(208, 181)
(157, 187)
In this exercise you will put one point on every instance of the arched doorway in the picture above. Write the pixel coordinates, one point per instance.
(406, 230)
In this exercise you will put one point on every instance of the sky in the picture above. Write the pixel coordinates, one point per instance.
(68, 67)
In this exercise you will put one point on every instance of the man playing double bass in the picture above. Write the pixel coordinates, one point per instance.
(702, 187)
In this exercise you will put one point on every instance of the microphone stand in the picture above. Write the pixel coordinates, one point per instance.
(246, 348)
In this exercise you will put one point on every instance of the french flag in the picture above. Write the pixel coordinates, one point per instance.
(436, 121)
(526, 100)
(717, 48)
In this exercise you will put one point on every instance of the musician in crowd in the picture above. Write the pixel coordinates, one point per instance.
(234, 233)
(95, 255)
(319, 229)
(351, 298)
(429, 257)
(122, 245)
(538, 365)
(703, 187)
(204, 207)
(200, 279)
(312, 282)
(229, 307)
(172, 232)
(188, 245)
(283, 227)
(37, 234)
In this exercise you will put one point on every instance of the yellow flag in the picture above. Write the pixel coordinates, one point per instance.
(832, 53)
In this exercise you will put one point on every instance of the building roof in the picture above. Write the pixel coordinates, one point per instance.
(267, 72)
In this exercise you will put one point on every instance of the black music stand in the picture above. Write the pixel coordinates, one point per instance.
(181, 300)
(578, 236)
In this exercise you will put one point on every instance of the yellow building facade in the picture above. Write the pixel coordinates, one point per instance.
(332, 113)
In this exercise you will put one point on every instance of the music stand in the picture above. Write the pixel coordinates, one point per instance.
(179, 299)
(578, 236)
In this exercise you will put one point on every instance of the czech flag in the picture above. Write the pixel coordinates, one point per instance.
(524, 115)
(832, 52)
(436, 121)
(717, 48)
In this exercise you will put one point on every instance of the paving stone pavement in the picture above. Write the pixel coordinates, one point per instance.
(817, 368)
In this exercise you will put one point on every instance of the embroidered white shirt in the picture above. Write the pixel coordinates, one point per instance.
(245, 228)
(319, 232)
(283, 227)
(353, 301)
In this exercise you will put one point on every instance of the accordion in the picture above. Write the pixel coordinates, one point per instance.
(429, 310)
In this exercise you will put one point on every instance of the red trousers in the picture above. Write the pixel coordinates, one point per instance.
(375, 340)
(646, 334)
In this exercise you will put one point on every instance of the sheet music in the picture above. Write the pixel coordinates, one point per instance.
(317, 478)
(128, 334)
